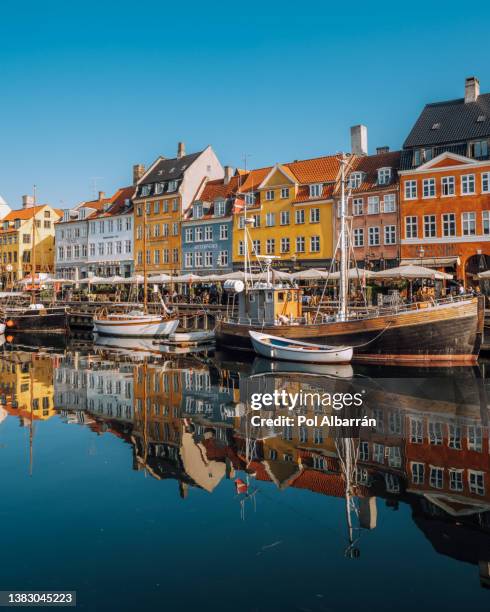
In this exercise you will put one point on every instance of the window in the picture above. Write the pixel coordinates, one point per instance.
(165, 229)
(448, 186)
(256, 220)
(285, 193)
(378, 453)
(219, 208)
(270, 246)
(416, 431)
(269, 195)
(175, 229)
(314, 215)
(165, 206)
(358, 237)
(449, 224)
(390, 234)
(241, 248)
(410, 190)
(469, 223)
(198, 233)
(436, 477)
(316, 190)
(373, 236)
(394, 456)
(479, 149)
(197, 210)
(389, 203)
(249, 199)
(485, 221)
(172, 186)
(256, 247)
(299, 216)
(285, 217)
(485, 182)
(208, 259)
(435, 433)
(429, 188)
(468, 184)
(300, 244)
(317, 435)
(364, 451)
(118, 247)
(198, 260)
(357, 206)
(315, 244)
(61, 252)
(92, 249)
(355, 180)
(303, 435)
(156, 230)
(475, 438)
(454, 432)
(188, 234)
(175, 204)
(101, 248)
(145, 190)
(188, 260)
(127, 246)
(455, 480)
(429, 226)
(270, 219)
(223, 258)
(411, 227)
(223, 232)
(156, 256)
(285, 245)
(476, 480)
(384, 176)
(418, 473)
(208, 232)
(241, 222)
(175, 255)
(373, 205)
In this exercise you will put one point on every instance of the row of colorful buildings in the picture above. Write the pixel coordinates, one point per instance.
(428, 203)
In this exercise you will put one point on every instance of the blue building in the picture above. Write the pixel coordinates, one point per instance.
(207, 228)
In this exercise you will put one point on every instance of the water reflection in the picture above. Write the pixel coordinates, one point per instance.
(188, 419)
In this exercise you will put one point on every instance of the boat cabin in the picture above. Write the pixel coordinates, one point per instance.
(270, 305)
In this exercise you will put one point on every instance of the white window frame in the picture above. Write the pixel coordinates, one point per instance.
(314, 215)
(468, 180)
(316, 190)
(390, 234)
(430, 221)
(373, 205)
(358, 234)
(467, 219)
(389, 203)
(373, 232)
(384, 176)
(446, 220)
(269, 195)
(429, 188)
(314, 244)
(357, 207)
(299, 216)
(448, 183)
(412, 222)
(410, 189)
(485, 182)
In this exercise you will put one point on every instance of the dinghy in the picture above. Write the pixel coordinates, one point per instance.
(274, 347)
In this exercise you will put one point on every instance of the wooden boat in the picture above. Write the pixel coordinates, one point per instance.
(275, 347)
(36, 318)
(134, 324)
(191, 338)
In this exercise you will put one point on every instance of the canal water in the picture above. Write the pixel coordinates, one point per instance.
(139, 481)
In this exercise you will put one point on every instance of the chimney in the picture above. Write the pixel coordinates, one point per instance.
(27, 201)
(180, 150)
(471, 89)
(138, 171)
(101, 195)
(380, 150)
(228, 174)
(359, 140)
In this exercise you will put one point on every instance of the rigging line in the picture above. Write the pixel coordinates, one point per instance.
(372, 339)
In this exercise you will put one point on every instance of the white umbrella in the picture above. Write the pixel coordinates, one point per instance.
(311, 274)
(411, 272)
(93, 280)
(354, 274)
(160, 278)
(237, 275)
(137, 279)
(61, 281)
(115, 280)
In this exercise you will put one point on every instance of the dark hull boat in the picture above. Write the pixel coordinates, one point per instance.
(36, 320)
(447, 332)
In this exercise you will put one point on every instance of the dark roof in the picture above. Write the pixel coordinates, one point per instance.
(170, 169)
(457, 120)
(370, 164)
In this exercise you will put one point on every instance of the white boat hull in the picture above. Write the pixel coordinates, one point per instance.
(2, 328)
(137, 327)
(298, 351)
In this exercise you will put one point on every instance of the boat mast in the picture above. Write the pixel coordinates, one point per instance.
(33, 251)
(145, 282)
(342, 314)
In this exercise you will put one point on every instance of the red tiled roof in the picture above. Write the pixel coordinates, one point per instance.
(27, 213)
(304, 193)
(317, 170)
(219, 189)
(370, 164)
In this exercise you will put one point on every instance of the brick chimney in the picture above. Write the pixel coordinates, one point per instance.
(380, 150)
(180, 150)
(27, 201)
(138, 171)
(359, 140)
(101, 195)
(471, 89)
(228, 174)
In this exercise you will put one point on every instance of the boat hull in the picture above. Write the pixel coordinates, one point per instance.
(443, 334)
(49, 320)
(272, 350)
(137, 328)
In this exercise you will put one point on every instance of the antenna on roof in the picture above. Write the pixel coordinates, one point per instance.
(93, 181)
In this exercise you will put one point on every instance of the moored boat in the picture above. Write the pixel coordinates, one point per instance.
(36, 318)
(276, 347)
(134, 324)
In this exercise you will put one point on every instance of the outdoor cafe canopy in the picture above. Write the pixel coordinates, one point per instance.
(410, 273)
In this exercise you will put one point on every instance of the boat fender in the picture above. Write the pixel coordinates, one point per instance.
(283, 320)
(10, 323)
(241, 486)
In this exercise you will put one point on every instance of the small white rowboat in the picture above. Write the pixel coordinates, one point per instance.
(274, 347)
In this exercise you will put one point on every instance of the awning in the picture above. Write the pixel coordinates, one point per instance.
(431, 262)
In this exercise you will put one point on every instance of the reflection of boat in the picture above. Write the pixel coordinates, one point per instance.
(274, 347)
(141, 345)
(190, 338)
(134, 324)
(268, 366)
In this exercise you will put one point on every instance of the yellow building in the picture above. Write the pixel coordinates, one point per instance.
(291, 206)
(16, 238)
(163, 193)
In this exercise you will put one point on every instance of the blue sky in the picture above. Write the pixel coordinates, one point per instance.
(90, 88)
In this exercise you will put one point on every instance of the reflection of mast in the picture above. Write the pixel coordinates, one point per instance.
(31, 426)
(348, 459)
(33, 251)
(145, 282)
(145, 415)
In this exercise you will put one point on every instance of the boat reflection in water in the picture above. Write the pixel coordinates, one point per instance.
(189, 420)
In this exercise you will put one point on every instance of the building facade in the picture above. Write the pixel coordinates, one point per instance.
(444, 185)
(207, 227)
(163, 193)
(16, 240)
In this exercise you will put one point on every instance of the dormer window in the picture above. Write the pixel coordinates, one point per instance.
(17, 223)
(355, 180)
(384, 176)
(198, 210)
(172, 186)
(316, 190)
(145, 190)
(158, 188)
(5, 225)
(436, 126)
(479, 149)
(219, 208)
(250, 199)
(481, 119)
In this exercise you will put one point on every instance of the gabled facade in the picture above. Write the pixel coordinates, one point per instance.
(16, 237)
(445, 215)
(373, 209)
(163, 193)
(207, 227)
(291, 207)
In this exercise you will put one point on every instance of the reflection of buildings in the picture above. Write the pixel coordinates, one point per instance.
(26, 388)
